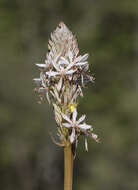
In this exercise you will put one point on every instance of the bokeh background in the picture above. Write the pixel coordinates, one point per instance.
(108, 31)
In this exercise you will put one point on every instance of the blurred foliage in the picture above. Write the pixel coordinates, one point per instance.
(107, 30)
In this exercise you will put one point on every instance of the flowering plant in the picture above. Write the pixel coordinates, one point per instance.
(62, 77)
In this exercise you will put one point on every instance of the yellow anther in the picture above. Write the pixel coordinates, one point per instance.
(72, 107)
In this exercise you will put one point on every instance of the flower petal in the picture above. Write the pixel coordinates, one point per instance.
(78, 59)
(82, 80)
(81, 119)
(62, 63)
(66, 118)
(40, 65)
(37, 81)
(55, 66)
(81, 58)
(84, 126)
(52, 73)
(64, 60)
(84, 57)
(86, 145)
(74, 116)
(42, 77)
(70, 72)
(70, 56)
(81, 63)
(72, 136)
(69, 66)
(57, 57)
(85, 68)
(68, 125)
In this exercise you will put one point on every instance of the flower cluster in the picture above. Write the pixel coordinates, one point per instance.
(62, 77)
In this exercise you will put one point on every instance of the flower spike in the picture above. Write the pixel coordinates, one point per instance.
(62, 77)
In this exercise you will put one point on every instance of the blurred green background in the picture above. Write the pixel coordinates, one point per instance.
(108, 31)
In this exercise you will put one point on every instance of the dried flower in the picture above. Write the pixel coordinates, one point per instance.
(62, 77)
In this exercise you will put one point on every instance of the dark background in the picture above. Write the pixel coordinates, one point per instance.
(108, 31)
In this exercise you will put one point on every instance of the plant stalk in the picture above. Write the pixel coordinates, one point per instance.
(68, 167)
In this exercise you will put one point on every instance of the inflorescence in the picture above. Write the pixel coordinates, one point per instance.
(62, 77)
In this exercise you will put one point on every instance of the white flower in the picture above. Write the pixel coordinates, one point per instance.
(74, 123)
(61, 70)
(78, 61)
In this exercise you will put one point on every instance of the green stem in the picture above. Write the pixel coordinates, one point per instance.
(68, 167)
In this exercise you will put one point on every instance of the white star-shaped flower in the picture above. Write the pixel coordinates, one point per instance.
(61, 71)
(78, 61)
(74, 123)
